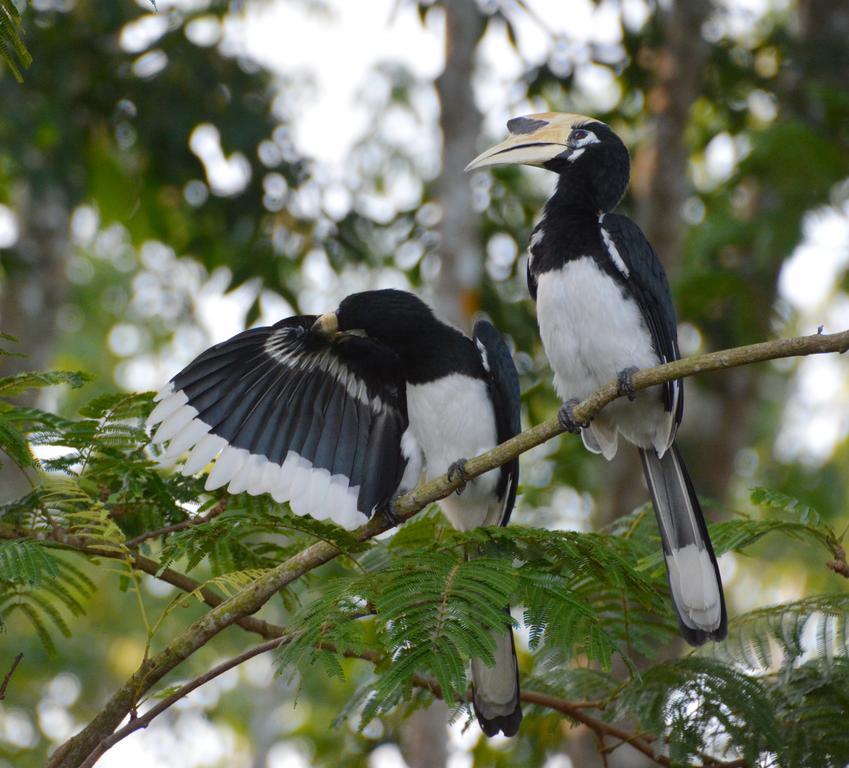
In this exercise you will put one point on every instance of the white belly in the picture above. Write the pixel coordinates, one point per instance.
(591, 332)
(453, 419)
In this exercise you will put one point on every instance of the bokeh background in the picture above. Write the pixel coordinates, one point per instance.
(169, 177)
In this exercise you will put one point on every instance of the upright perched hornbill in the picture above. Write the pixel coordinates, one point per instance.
(336, 414)
(604, 310)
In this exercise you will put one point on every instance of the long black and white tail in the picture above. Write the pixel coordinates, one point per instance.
(690, 561)
(496, 688)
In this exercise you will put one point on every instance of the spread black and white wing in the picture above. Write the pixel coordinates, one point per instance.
(283, 410)
(504, 391)
(649, 287)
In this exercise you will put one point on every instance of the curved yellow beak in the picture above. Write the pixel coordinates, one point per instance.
(534, 140)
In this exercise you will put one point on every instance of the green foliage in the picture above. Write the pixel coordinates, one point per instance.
(41, 587)
(125, 159)
(811, 704)
(429, 607)
(13, 52)
(695, 703)
(420, 604)
(771, 499)
(26, 562)
(778, 637)
(15, 385)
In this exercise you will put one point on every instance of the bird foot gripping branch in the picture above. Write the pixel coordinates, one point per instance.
(626, 383)
(389, 513)
(566, 417)
(458, 469)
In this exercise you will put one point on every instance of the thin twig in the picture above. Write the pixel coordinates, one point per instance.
(191, 523)
(74, 752)
(8, 675)
(142, 721)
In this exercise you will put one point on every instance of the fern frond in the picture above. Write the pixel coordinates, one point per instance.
(700, 706)
(771, 499)
(12, 49)
(21, 382)
(780, 636)
(811, 702)
(26, 561)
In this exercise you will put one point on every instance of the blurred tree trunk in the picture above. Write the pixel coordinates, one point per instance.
(35, 281)
(458, 284)
(34, 286)
(423, 736)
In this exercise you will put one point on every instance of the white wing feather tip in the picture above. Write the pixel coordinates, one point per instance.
(226, 466)
(205, 451)
(186, 438)
(174, 424)
(169, 405)
(168, 389)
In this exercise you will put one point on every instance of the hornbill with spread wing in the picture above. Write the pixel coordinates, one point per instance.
(604, 310)
(336, 414)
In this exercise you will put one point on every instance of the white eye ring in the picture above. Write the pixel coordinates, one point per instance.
(581, 137)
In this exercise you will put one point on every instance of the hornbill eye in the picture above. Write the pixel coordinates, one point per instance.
(578, 135)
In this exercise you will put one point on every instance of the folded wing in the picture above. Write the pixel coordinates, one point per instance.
(285, 411)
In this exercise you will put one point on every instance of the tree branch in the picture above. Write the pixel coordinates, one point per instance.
(573, 710)
(74, 752)
(146, 565)
(144, 720)
(8, 676)
(191, 523)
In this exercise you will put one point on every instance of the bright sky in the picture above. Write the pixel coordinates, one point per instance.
(338, 50)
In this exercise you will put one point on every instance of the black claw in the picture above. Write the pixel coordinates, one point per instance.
(626, 382)
(566, 417)
(389, 513)
(458, 469)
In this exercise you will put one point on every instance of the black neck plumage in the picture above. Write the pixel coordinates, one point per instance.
(438, 351)
(569, 229)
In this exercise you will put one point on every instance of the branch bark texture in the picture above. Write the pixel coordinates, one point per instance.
(74, 752)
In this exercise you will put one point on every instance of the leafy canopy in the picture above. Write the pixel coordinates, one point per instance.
(418, 605)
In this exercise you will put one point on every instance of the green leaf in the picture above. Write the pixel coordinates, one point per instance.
(15, 445)
(12, 49)
(769, 499)
(117, 406)
(778, 636)
(26, 562)
(21, 382)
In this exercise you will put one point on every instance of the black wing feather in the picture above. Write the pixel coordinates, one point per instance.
(383, 461)
(503, 385)
(338, 404)
(650, 288)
